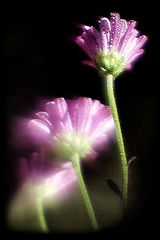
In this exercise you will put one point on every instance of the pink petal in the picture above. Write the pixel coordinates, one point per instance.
(89, 63)
(30, 133)
(56, 109)
(93, 36)
(58, 115)
(85, 47)
(102, 126)
(79, 111)
(135, 56)
(138, 44)
(92, 40)
(124, 39)
(115, 30)
(130, 45)
(124, 26)
(122, 31)
(63, 182)
(94, 116)
(105, 27)
(39, 132)
(44, 116)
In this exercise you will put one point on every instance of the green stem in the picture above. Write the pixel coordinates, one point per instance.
(41, 217)
(76, 164)
(111, 98)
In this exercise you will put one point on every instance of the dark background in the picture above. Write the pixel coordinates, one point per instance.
(42, 61)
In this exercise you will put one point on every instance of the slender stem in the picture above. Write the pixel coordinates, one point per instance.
(76, 164)
(124, 165)
(41, 217)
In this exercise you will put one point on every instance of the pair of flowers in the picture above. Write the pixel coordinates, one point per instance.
(81, 127)
(66, 127)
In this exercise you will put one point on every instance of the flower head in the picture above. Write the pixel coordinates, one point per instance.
(39, 180)
(114, 47)
(39, 183)
(72, 126)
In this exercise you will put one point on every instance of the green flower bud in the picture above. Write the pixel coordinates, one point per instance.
(113, 63)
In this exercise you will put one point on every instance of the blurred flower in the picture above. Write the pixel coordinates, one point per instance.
(81, 125)
(44, 180)
(78, 126)
(39, 183)
(114, 47)
(67, 128)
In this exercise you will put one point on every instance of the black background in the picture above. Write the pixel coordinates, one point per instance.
(41, 60)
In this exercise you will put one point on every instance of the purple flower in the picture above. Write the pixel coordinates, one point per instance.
(47, 182)
(66, 127)
(41, 184)
(114, 47)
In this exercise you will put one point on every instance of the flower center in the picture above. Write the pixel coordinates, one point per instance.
(68, 145)
(113, 63)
